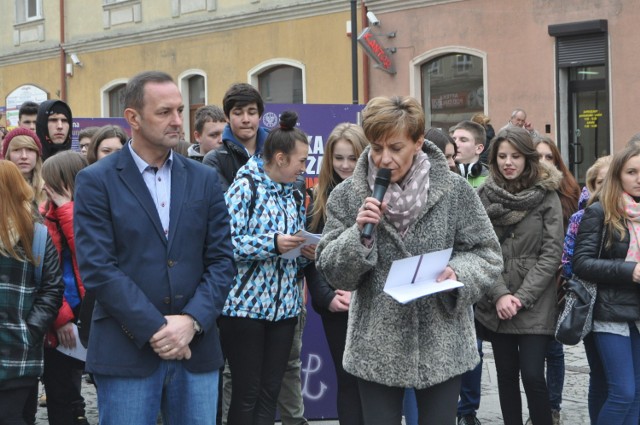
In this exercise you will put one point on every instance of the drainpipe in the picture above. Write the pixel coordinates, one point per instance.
(63, 57)
(365, 58)
(354, 51)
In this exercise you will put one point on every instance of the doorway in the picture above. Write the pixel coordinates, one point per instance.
(589, 118)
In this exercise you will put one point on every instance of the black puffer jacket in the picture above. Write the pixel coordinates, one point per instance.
(618, 297)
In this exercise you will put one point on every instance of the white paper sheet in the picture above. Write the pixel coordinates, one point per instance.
(415, 277)
(79, 352)
(310, 239)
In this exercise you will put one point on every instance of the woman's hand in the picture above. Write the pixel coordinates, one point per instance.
(309, 252)
(448, 273)
(370, 212)
(636, 273)
(59, 199)
(340, 302)
(66, 337)
(508, 306)
(285, 243)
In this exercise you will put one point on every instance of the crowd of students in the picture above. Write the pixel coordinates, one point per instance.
(502, 204)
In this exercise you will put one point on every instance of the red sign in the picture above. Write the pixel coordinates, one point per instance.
(375, 50)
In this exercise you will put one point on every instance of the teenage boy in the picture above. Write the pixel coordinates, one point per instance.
(27, 115)
(209, 125)
(53, 127)
(242, 137)
(470, 138)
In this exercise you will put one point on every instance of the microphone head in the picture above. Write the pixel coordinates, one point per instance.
(383, 178)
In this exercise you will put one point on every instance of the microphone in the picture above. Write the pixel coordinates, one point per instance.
(383, 178)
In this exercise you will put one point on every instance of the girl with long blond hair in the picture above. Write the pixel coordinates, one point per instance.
(344, 146)
(22, 147)
(28, 305)
(607, 252)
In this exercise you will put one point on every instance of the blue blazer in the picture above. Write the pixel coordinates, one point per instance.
(138, 275)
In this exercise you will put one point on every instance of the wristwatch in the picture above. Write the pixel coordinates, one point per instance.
(196, 326)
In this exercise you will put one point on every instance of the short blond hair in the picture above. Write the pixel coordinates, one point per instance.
(385, 116)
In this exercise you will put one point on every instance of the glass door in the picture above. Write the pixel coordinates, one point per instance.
(588, 119)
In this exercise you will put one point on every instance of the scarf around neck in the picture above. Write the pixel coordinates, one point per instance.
(406, 199)
(505, 208)
(632, 208)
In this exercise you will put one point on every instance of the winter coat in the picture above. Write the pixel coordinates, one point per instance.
(26, 312)
(618, 298)
(232, 155)
(431, 339)
(59, 222)
(265, 286)
(531, 250)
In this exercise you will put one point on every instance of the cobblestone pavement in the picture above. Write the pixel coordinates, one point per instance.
(574, 404)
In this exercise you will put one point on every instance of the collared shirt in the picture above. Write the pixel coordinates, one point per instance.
(158, 181)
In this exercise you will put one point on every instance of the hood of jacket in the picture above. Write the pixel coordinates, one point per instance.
(227, 135)
(584, 198)
(550, 177)
(42, 129)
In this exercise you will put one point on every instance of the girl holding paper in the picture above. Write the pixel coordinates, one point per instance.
(519, 312)
(428, 343)
(344, 145)
(260, 314)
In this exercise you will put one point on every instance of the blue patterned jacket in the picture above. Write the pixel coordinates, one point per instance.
(265, 286)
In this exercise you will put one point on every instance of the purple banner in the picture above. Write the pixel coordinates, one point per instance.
(318, 377)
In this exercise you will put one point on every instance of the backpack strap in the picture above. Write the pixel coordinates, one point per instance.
(39, 242)
(252, 202)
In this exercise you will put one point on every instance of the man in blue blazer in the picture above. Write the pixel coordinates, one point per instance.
(153, 243)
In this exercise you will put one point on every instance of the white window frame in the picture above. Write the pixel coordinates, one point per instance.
(22, 7)
(183, 84)
(253, 76)
(105, 91)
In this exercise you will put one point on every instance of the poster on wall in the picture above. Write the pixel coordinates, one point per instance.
(16, 98)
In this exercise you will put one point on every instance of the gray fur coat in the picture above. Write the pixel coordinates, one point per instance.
(432, 339)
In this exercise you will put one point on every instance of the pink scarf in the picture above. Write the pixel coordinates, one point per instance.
(632, 208)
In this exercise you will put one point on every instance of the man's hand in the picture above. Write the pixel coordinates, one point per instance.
(66, 337)
(171, 342)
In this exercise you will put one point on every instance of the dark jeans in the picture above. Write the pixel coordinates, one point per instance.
(555, 373)
(12, 403)
(258, 352)
(620, 356)
(597, 380)
(62, 380)
(348, 400)
(382, 405)
(471, 387)
(31, 405)
(515, 355)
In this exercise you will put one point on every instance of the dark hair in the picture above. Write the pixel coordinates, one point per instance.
(283, 139)
(106, 132)
(477, 131)
(28, 108)
(88, 132)
(440, 139)
(134, 91)
(521, 140)
(208, 113)
(240, 95)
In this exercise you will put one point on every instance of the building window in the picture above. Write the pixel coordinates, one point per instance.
(452, 88)
(28, 10)
(281, 84)
(116, 101)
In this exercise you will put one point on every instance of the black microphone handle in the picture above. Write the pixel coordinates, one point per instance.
(378, 193)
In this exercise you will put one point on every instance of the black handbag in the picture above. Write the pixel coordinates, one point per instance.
(576, 319)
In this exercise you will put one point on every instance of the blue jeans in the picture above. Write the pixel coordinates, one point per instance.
(410, 407)
(555, 373)
(597, 380)
(471, 388)
(181, 396)
(620, 357)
